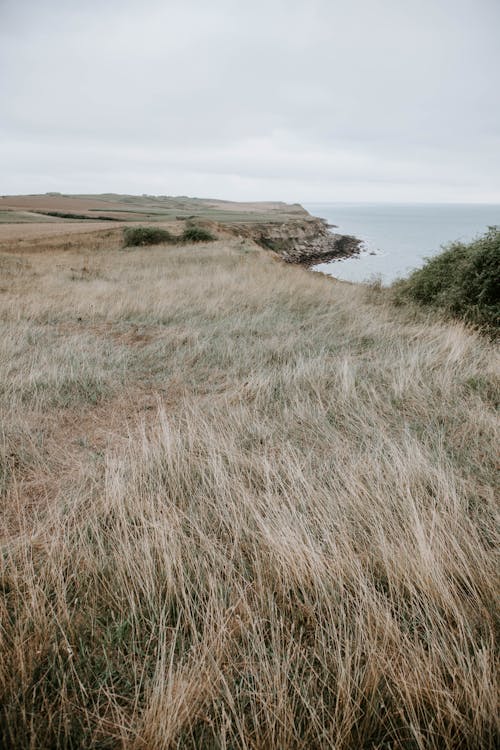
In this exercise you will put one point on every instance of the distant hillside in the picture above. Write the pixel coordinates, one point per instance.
(145, 208)
(288, 230)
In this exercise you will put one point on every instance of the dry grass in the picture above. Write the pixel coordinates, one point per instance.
(244, 507)
(29, 235)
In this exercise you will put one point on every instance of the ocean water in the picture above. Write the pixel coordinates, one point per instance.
(397, 237)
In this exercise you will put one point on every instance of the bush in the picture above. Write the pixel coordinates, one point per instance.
(462, 281)
(197, 234)
(66, 215)
(134, 236)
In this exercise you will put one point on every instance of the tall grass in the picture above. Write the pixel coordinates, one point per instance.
(264, 516)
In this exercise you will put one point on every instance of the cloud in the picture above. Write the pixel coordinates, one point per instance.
(294, 100)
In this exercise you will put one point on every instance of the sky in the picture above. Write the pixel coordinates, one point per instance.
(295, 100)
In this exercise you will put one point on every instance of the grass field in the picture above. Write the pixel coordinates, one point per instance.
(20, 208)
(22, 217)
(244, 506)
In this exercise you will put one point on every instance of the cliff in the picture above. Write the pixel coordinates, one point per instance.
(306, 240)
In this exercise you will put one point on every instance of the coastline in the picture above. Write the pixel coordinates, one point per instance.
(288, 230)
(305, 241)
(311, 242)
(325, 248)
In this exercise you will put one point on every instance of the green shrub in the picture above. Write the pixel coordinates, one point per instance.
(134, 236)
(463, 281)
(197, 234)
(66, 215)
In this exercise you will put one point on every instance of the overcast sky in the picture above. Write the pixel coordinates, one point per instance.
(297, 100)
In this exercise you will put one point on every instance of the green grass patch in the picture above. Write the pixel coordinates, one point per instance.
(22, 217)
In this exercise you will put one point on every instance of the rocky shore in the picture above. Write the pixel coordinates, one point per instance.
(320, 247)
(304, 241)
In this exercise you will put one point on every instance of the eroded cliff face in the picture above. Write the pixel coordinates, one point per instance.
(304, 241)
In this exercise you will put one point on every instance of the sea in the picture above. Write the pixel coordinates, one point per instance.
(398, 237)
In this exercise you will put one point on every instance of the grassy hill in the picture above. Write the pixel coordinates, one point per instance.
(151, 208)
(244, 506)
